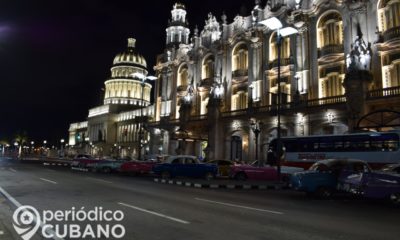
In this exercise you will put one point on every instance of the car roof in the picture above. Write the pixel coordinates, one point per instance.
(330, 162)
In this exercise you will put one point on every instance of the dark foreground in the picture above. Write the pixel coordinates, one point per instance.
(159, 211)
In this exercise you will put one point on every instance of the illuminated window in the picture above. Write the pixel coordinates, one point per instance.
(208, 68)
(240, 58)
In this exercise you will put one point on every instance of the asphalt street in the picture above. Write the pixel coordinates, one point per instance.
(171, 212)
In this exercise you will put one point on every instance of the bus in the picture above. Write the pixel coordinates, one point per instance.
(376, 148)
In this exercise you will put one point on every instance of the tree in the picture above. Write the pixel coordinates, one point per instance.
(21, 138)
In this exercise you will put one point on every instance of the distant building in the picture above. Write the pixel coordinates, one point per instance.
(340, 73)
(115, 128)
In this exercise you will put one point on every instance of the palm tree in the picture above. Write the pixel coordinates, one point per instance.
(21, 138)
(3, 143)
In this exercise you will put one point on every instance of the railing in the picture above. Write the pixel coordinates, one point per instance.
(326, 101)
(391, 34)
(234, 113)
(182, 88)
(384, 92)
(330, 49)
(240, 73)
(284, 62)
(206, 82)
(198, 117)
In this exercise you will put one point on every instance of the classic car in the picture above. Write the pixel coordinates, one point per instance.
(137, 167)
(350, 176)
(393, 168)
(224, 166)
(357, 178)
(107, 165)
(84, 161)
(185, 166)
(266, 172)
(321, 179)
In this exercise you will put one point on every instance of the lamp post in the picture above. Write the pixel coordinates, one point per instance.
(62, 147)
(275, 24)
(143, 79)
(255, 126)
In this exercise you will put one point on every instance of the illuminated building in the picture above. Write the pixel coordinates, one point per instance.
(113, 128)
(340, 73)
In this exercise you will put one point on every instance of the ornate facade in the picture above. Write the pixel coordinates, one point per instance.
(340, 73)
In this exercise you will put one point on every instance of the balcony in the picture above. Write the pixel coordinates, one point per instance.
(284, 62)
(206, 82)
(326, 101)
(284, 80)
(182, 88)
(384, 92)
(391, 34)
(330, 49)
(240, 73)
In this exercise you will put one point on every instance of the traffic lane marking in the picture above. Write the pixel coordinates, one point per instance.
(100, 180)
(18, 205)
(12, 170)
(47, 180)
(239, 206)
(1, 232)
(154, 213)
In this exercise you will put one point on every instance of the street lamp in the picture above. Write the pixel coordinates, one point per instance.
(276, 25)
(62, 147)
(255, 126)
(143, 79)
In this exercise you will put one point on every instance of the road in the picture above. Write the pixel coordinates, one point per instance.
(159, 211)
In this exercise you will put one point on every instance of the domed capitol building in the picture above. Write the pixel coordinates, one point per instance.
(335, 70)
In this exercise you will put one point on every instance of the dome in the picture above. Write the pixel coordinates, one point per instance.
(130, 56)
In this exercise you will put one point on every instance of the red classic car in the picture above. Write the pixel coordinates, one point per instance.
(267, 173)
(137, 167)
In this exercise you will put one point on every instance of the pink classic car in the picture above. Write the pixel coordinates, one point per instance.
(266, 173)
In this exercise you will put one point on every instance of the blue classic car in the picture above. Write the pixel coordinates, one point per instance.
(351, 176)
(185, 166)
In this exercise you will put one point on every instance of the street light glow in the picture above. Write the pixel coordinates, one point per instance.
(272, 23)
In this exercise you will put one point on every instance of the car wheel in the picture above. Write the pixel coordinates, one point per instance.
(106, 170)
(209, 176)
(165, 175)
(324, 192)
(241, 176)
(395, 198)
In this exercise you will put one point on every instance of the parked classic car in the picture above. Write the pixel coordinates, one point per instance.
(224, 166)
(84, 161)
(393, 168)
(255, 172)
(358, 179)
(186, 166)
(137, 167)
(347, 175)
(107, 165)
(321, 179)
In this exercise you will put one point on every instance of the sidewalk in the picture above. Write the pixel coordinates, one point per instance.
(222, 184)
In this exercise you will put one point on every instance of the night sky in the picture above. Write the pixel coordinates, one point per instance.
(55, 55)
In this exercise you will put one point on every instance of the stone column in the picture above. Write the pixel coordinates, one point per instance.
(215, 133)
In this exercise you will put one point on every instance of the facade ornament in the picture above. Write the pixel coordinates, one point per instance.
(224, 18)
(360, 55)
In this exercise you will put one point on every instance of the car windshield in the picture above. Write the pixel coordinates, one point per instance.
(319, 167)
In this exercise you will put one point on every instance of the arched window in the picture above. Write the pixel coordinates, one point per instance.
(208, 67)
(330, 30)
(273, 48)
(183, 76)
(330, 54)
(388, 14)
(240, 57)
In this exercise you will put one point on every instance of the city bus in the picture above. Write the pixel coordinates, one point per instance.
(376, 148)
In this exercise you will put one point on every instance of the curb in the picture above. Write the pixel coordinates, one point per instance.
(80, 169)
(244, 186)
(56, 164)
